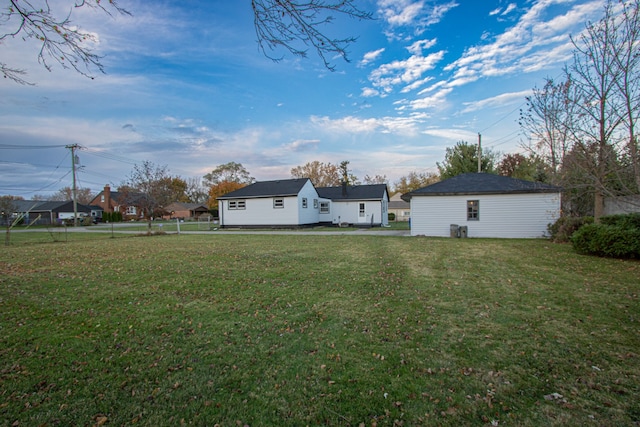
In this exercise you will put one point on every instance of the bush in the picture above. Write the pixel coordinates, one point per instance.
(607, 241)
(631, 220)
(562, 230)
(391, 216)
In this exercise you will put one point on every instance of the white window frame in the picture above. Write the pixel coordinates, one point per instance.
(473, 210)
(362, 210)
(278, 203)
(315, 203)
(325, 207)
(234, 205)
(305, 203)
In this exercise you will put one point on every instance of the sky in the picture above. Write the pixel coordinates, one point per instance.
(186, 87)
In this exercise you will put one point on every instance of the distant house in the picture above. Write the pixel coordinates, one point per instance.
(488, 205)
(297, 203)
(400, 208)
(360, 205)
(129, 203)
(621, 205)
(48, 212)
(185, 210)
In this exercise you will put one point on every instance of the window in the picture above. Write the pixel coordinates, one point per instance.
(315, 203)
(278, 203)
(237, 204)
(324, 207)
(304, 202)
(473, 210)
(102, 198)
(131, 210)
(361, 210)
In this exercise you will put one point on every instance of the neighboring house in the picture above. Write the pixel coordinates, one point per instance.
(621, 205)
(400, 208)
(297, 203)
(48, 212)
(186, 210)
(126, 202)
(488, 205)
(360, 205)
(282, 203)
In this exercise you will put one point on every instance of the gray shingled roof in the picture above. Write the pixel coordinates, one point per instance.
(481, 183)
(279, 188)
(356, 192)
(47, 206)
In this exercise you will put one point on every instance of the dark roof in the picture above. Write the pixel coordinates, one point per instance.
(356, 192)
(48, 206)
(482, 183)
(399, 204)
(189, 206)
(282, 188)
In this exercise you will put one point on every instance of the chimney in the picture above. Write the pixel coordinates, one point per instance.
(107, 199)
(344, 189)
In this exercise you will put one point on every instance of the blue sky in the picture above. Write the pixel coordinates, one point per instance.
(187, 87)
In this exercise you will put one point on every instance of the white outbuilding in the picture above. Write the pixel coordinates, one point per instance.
(484, 205)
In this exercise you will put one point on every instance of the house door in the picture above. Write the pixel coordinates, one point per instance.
(362, 212)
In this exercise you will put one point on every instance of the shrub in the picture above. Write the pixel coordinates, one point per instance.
(631, 220)
(562, 230)
(607, 241)
(392, 216)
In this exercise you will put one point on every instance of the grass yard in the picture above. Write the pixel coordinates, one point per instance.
(296, 330)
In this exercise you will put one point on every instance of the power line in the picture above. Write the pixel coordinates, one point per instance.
(28, 147)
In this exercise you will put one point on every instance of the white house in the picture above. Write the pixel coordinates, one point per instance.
(364, 205)
(487, 205)
(285, 203)
(296, 203)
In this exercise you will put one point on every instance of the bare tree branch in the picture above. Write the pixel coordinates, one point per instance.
(61, 40)
(289, 24)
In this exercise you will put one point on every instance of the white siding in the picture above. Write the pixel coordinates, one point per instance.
(262, 212)
(349, 211)
(310, 214)
(500, 215)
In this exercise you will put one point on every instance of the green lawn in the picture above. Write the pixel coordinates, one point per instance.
(305, 330)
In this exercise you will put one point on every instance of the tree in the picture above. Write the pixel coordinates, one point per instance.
(220, 189)
(7, 209)
(84, 195)
(195, 191)
(605, 71)
(321, 174)
(286, 24)
(547, 120)
(231, 172)
(463, 158)
(531, 168)
(414, 181)
(346, 175)
(155, 184)
(378, 179)
(225, 179)
(60, 39)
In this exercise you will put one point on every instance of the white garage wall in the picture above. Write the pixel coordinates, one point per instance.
(501, 215)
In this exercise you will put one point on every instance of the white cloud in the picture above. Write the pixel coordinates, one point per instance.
(417, 47)
(496, 101)
(437, 100)
(509, 9)
(302, 145)
(371, 56)
(405, 72)
(386, 125)
(399, 13)
(533, 34)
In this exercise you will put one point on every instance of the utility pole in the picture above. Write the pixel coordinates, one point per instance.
(73, 149)
(479, 152)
